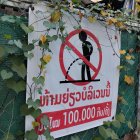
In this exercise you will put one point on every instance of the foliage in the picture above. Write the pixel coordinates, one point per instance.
(122, 21)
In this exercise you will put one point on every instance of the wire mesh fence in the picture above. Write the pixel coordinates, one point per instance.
(11, 120)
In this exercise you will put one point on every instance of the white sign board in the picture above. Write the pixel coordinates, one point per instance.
(81, 82)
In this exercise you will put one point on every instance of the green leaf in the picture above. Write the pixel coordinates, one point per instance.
(6, 75)
(98, 138)
(75, 137)
(27, 47)
(120, 67)
(11, 49)
(45, 120)
(39, 90)
(107, 123)
(77, 27)
(100, 49)
(139, 37)
(2, 52)
(50, 138)
(138, 123)
(49, 25)
(31, 135)
(35, 104)
(45, 45)
(131, 62)
(8, 137)
(103, 132)
(39, 12)
(112, 134)
(11, 42)
(8, 18)
(36, 113)
(39, 80)
(34, 41)
(18, 65)
(76, 1)
(61, 23)
(20, 134)
(130, 125)
(25, 110)
(16, 86)
(7, 36)
(47, 134)
(29, 55)
(116, 124)
(26, 29)
(123, 101)
(18, 43)
(19, 69)
(16, 60)
(120, 117)
(68, 48)
(52, 38)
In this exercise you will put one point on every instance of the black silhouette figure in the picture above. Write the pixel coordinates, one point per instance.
(87, 51)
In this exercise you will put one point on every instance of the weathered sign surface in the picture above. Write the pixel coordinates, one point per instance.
(81, 82)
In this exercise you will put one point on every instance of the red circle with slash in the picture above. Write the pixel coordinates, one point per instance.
(80, 55)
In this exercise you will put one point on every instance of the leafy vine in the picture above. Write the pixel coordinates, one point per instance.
(122, 20)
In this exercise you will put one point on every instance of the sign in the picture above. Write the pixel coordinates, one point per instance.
(81, 82)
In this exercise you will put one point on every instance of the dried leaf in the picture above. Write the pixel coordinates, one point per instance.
(138, 7)
(71, 6)
(103, 13)
(131, 50)
(108, 5)
(114, 20)
(47, 58)
(55, 16)
(91, 19)
(80, 15)
(109, 22)
(122, 52)
(128, 57)
(120, 25)
(122, 100)
(35, 124)
(129, 79)
(43, 39)
(120, 67)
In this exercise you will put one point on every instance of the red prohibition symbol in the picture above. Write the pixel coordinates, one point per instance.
(80, 55)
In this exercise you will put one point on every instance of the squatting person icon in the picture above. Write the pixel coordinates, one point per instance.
(87, 51)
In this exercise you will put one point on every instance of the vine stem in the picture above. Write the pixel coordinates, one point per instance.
(4, 100)
(11, 120)
(40, 20)
(111, 44)
(2, 131)
(5, 107)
